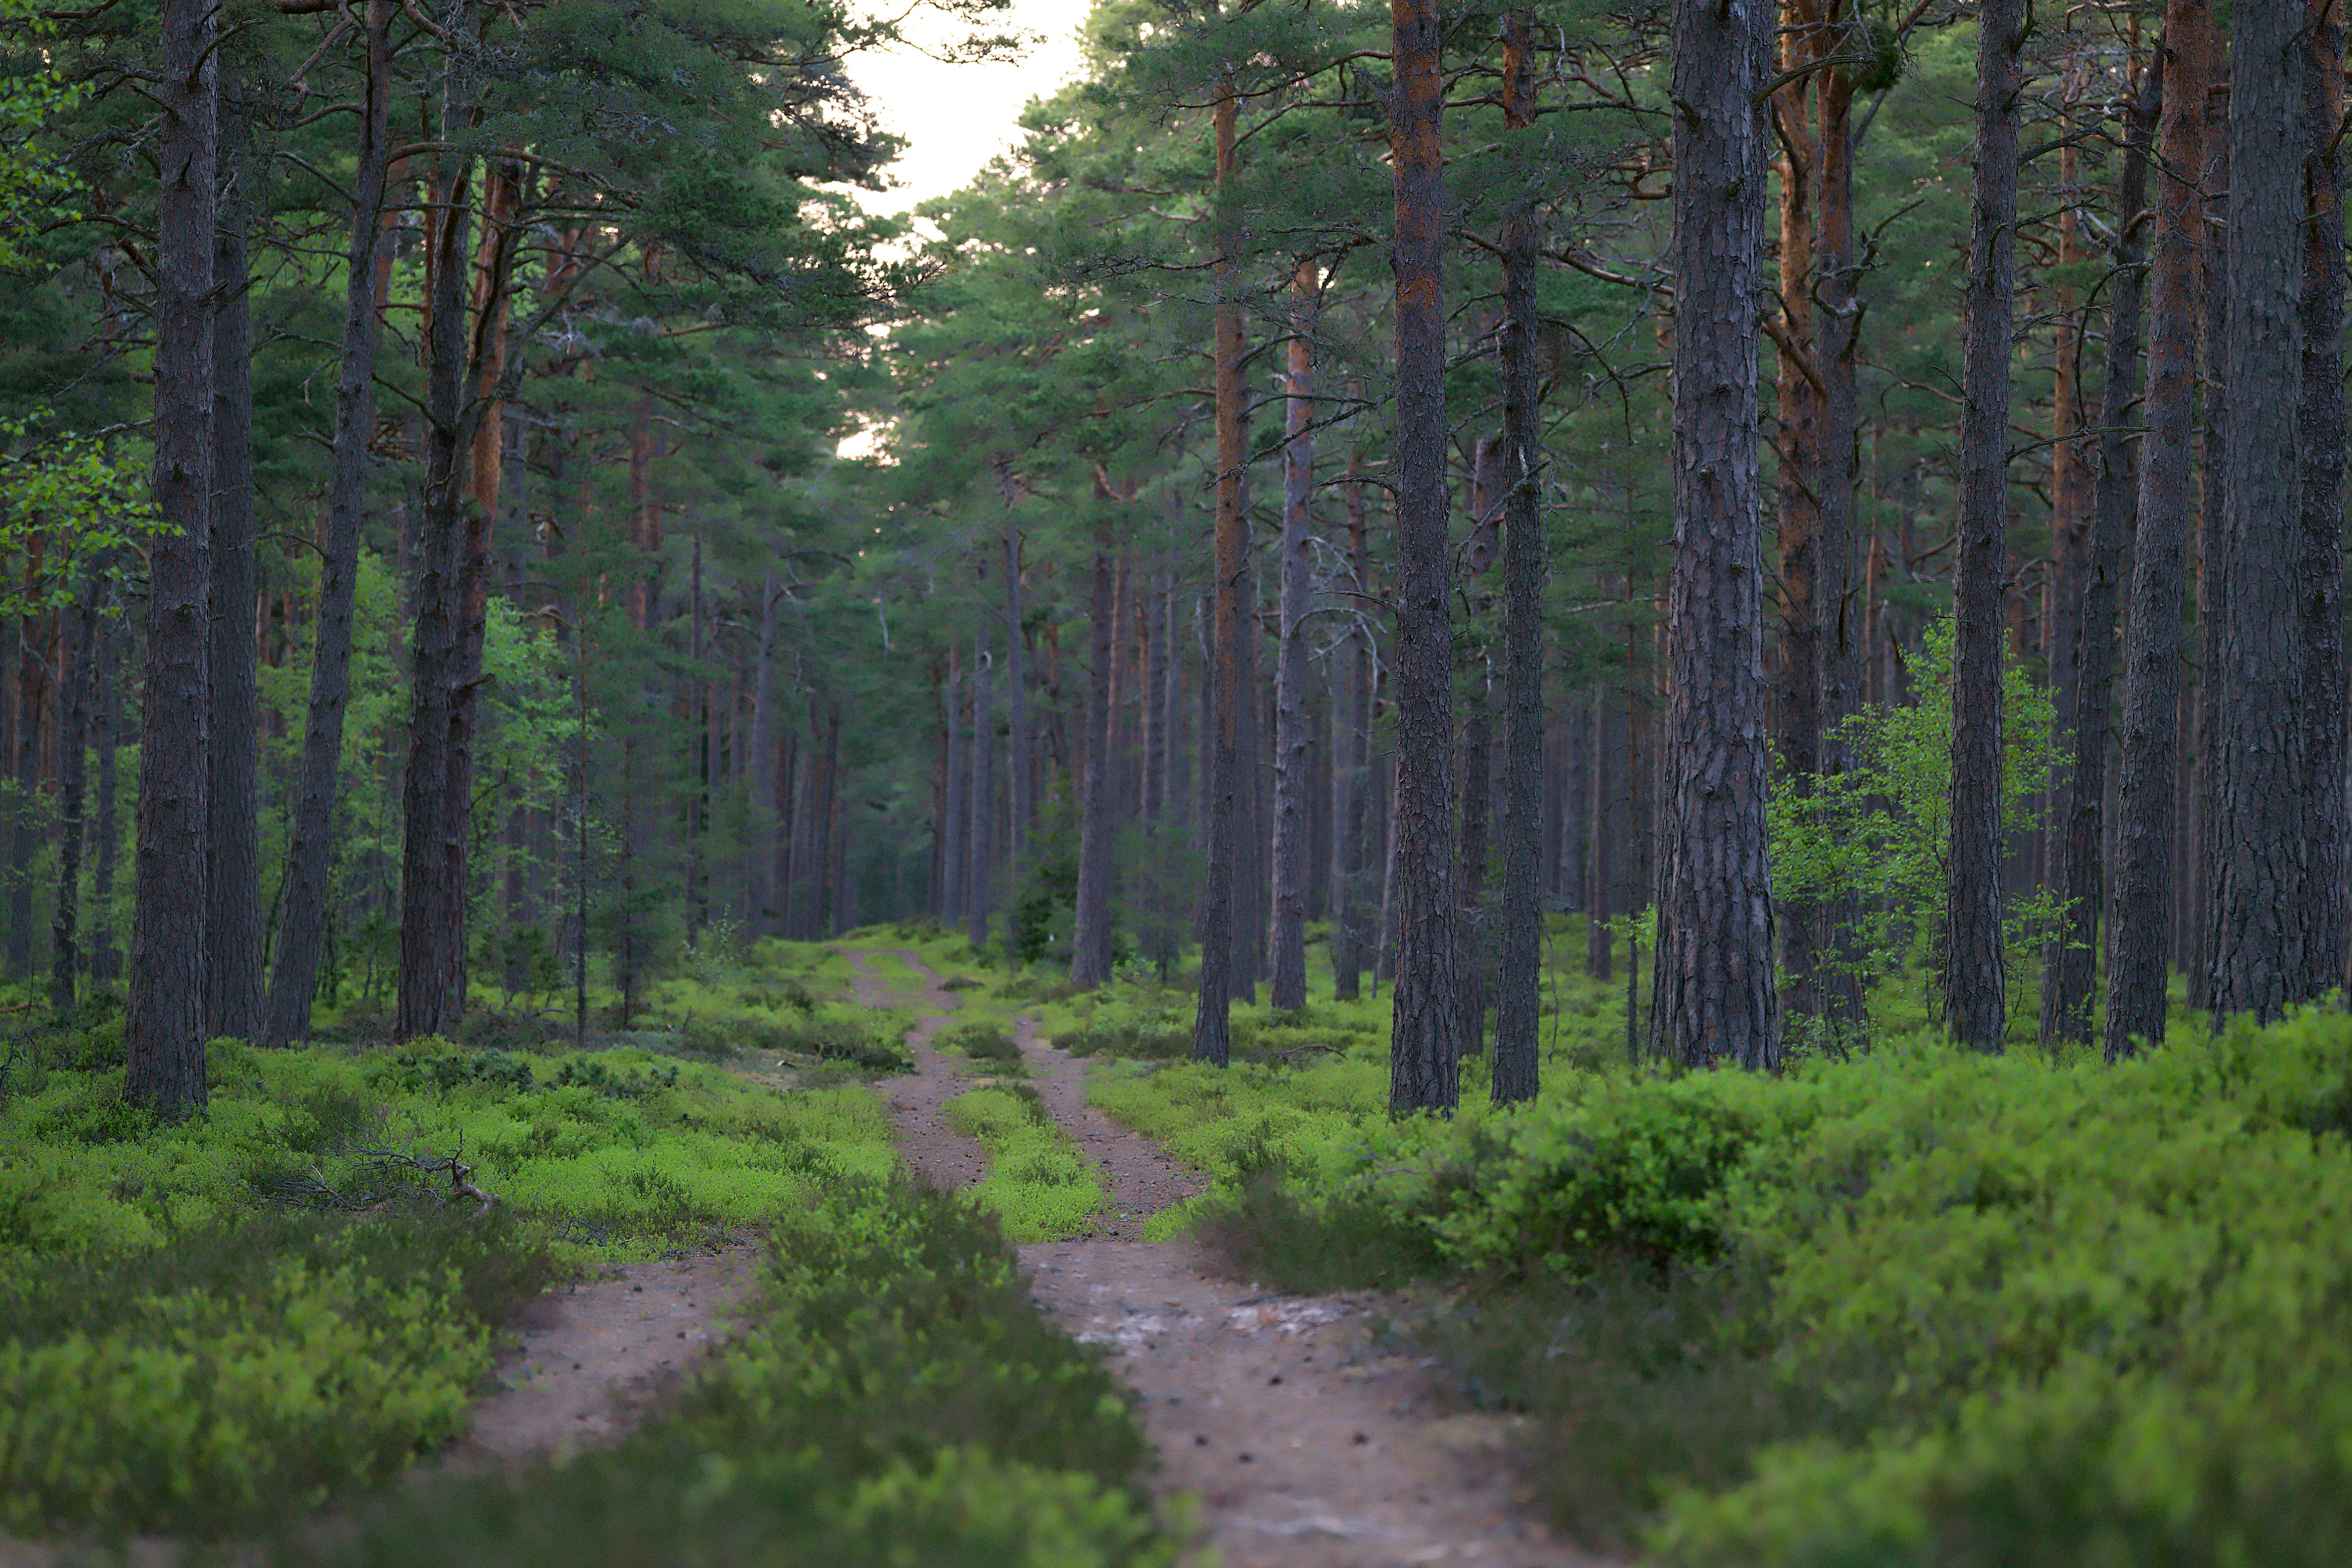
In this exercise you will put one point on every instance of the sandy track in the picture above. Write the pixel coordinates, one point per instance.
(1305, 1447)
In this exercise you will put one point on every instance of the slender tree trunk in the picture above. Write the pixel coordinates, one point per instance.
(1601, 866)
(233, 990)
(1290, 676)
(1974, 985)
(165, 1029)
(1019, 752)
(1837, 979)
(1476, 758)
(1799, 392)
(104, 958)
(759, 820)
(2070, 963)
(1713, 998)
(432, 861)
(1351, 855)
(1519, 944)
(2264, 933)
(980, 800)
(1090, 923)
(1425, 1056)
(2321, 704)
(25, 820)
(73, 743)
(953, 811)
(1221, 816)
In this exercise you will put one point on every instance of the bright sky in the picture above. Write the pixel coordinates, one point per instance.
(956, 118)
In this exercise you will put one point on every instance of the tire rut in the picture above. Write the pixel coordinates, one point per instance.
(1304, 1446)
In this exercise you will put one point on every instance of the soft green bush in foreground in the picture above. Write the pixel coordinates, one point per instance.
(1943, 1309)
(205, 1325)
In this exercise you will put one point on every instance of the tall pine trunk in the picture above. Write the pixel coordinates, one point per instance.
(310, 851)
(105, 959)
(1518, 937)
(164, 1038)
(2070, 960)
(433, 848)
(1288, 965)
(1424, 1054)
(233, 991)
(73, 742)
(2320, 591)
(1975, 988)
(2263, 927)
(1713, 998)
(980, 801)
(1351, 854)
(1090, 922)
(1221, 738)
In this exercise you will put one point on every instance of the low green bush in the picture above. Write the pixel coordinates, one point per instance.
(897, 1400)
(242, 1368)
(981, 1040)
(1038, 1183)
(1916, 1307)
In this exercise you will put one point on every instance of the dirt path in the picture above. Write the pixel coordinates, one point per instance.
(597, 1354)
(1305, 1448)
(1142, 1178)
(919, 1099)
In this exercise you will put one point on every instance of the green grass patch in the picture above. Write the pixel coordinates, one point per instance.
(896, 1400)
(1038, 1183)
(287, 1299)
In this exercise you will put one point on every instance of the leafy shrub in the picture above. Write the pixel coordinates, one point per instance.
(436, 1070)
(981, 1040)
(591, 1073)
(238, 1369)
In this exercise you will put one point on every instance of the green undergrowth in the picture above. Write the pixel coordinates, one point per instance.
(1038, 1183)
(982, 1041)
(897, 1399)
(293, 1293)
(1914, 1307)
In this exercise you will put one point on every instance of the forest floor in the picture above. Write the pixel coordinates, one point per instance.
(1306, 1445)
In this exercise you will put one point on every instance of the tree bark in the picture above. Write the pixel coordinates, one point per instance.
(2071, 959)
(1424, 1066)
(1222, 736)
(1798, 388)
(1288, 942)
(1713, 998)
(1975, 986)
(2262, 930)
(1090, 923)
(233, 989)
(2213, 496)
(105, 961)
(980, 800)
(2321, 705)
(164, 1031)
(73, 741)
(1838, 980)
(954, 810)
(1352, 846)
(1518, 937)
(1018, 749)
(311, 842)
(432, 958)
